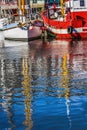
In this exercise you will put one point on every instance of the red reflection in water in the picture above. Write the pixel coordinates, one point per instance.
(74, 50)
(49, 48)
(58, 47)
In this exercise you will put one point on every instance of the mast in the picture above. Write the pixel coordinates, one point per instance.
(27, 8)
(62, 6)
(0, 11)
(21, 9)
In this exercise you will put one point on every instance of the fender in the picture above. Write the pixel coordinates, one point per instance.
(70, 29)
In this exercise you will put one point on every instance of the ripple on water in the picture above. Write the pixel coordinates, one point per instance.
(43, 86)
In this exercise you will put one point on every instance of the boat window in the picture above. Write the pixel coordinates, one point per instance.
(82, 3)
(34, 1)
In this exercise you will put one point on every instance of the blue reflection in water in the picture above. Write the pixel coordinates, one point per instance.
(44, 86)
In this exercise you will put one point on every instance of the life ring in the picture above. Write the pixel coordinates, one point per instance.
(70, 29)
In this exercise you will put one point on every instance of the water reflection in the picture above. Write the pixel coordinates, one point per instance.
(9, 83)
(43, 86)
(27, 93)
(12, 89)
(50, 68)
(58, 71)
(65, 85)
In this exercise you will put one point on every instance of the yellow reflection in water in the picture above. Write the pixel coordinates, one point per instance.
(65, 78)
(65, 85)
(27, 93)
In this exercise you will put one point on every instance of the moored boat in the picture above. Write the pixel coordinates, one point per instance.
(23, 33)
(22, 30)
(69, 20)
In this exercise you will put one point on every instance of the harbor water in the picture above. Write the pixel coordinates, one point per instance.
(43, 85)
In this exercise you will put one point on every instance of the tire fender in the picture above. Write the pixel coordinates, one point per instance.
(70, 29)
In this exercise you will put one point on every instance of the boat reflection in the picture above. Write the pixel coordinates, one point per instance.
(9, 43)
(7, 92)
(12, 70)
(56, 66)
(31, 76)
(15, 93)
(49, 48)
(65, 84)
(75, 51)
(14, 52)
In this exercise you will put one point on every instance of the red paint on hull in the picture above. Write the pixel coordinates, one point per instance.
(70, 36)
(78, 22)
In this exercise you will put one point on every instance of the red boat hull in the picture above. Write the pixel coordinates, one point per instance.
(68, 36)
(76, 27)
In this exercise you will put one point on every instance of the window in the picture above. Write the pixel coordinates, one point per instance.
(34, 1)
(82, 3)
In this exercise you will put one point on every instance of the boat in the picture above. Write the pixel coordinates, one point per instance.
(23, 33)
(22, 30)
(67, 20)
(6, 21)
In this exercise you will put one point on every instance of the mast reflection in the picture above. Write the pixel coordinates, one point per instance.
(27, 93)
(65, 85)
(53, 59)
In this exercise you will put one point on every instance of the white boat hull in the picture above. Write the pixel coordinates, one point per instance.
(21, 34)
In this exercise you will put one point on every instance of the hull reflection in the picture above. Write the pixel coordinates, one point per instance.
(8, 43)
(56, 69)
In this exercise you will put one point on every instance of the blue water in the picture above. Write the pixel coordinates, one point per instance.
(43, 86)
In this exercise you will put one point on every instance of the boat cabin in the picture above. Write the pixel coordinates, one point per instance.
(76, 4)
(78, 8)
